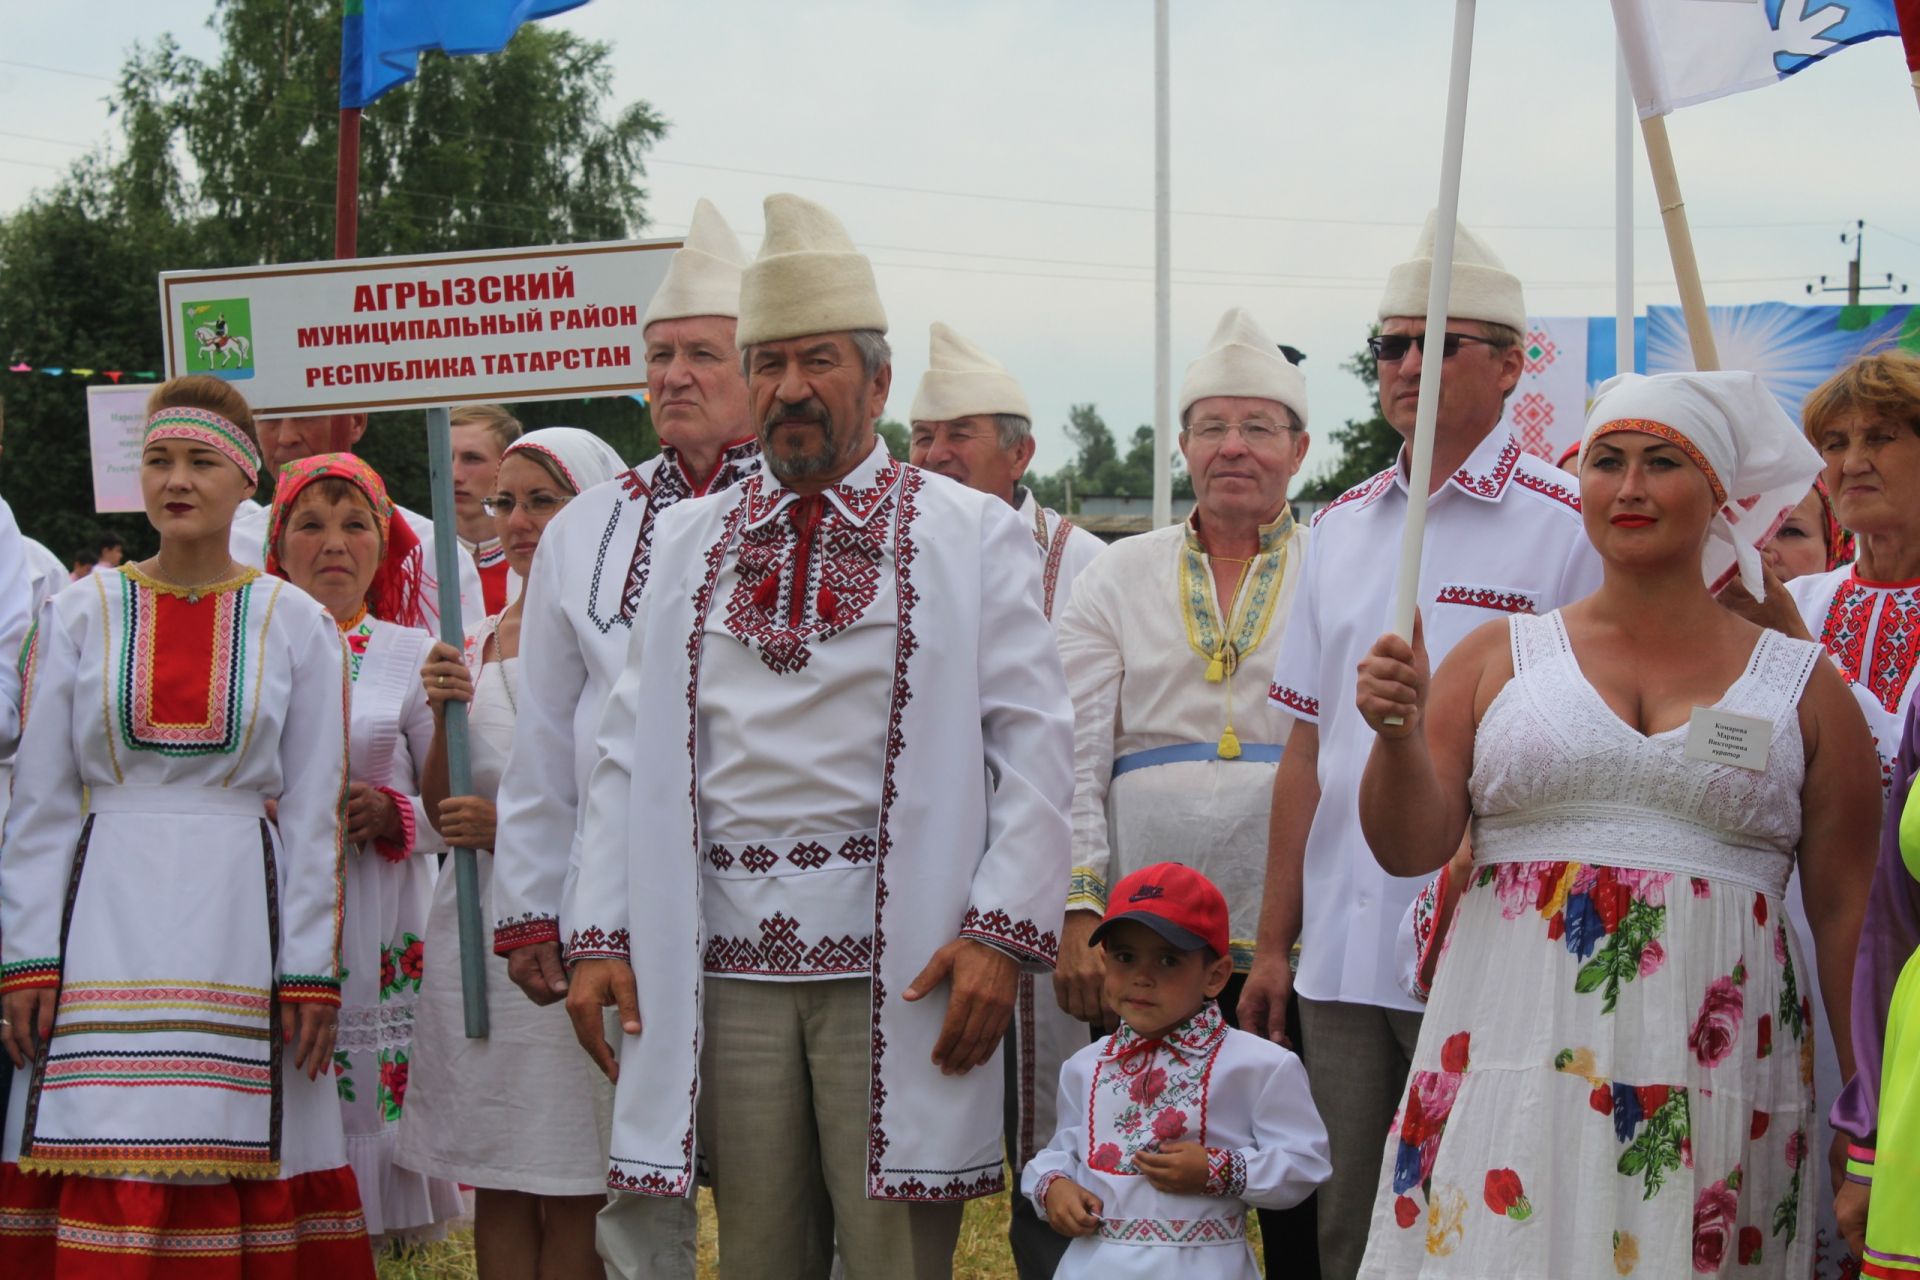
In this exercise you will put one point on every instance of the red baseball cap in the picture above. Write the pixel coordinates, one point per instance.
(1174, 901)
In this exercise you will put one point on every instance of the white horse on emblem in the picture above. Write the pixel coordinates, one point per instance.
(210, 344)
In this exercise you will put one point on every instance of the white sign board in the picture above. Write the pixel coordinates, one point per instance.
(395, 333)
(116, 421)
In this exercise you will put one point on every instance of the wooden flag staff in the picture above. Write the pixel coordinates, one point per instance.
(466, 869)
(1686, 268)
(1446, 216)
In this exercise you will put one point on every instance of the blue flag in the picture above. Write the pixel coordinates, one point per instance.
(381, 40)
(1680, 52)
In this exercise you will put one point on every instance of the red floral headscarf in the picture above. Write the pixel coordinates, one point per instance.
(395, 594)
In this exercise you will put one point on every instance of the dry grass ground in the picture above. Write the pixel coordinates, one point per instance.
(982, 1254)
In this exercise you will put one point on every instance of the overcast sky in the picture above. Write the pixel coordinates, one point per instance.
(996, 159)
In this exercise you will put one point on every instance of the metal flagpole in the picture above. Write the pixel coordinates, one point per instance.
(446, 553)
(1162, 277)
(1420, 472)
(1622, 217)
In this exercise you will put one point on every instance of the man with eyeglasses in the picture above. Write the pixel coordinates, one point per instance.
(584, 585)
(1168, 641)
(289, 439)
(971, 423)
(1503, 536)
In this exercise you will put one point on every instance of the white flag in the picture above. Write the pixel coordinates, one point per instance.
(1680, 52)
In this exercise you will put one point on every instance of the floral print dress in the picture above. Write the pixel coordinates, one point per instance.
(1615, 1071)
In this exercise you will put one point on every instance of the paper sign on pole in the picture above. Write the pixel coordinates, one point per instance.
(116, 422)
(549, 323)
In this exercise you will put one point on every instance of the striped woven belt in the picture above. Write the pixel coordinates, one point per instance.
(1183, 1231)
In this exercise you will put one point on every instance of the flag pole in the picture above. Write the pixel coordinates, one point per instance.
(1446, 216)
(446, 550)
(1162, 274)
(1623, 361)
(346, 232)
(1686, 268)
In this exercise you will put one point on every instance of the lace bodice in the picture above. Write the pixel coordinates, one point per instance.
(1558, 774)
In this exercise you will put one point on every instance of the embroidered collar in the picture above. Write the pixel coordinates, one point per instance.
(1273, 535)
(1486, 471)
(486, 553)
(192, 595)
(727, 468)
(1192, 1039)
(857, 497)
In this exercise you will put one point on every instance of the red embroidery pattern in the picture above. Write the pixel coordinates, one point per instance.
(1487, 598)
(1294, 701)
(1145, 1092)
(999, 929)
(805, 578)
(779, 951)
(1551, 487)
(183, 694)
(595, 943)
(1844, 633)
(529, 929)
(1492, 484)
(808, 855)
(1896, 646)
(1226, 1172)
(1363, 494)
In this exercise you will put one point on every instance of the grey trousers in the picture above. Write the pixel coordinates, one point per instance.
(646, 1238)
(1357, 1057)
(785, 1069)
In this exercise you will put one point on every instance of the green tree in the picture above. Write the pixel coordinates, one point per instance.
(898, 439)
(1098, 466)
(232, 161)
(1367, 446)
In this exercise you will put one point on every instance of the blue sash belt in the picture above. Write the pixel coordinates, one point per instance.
(1250, 753)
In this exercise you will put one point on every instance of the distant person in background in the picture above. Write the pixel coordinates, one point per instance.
(108, 552)
(82, 565)
(523, 1115)
(1811, 541)
(284, 440)
(481, 433)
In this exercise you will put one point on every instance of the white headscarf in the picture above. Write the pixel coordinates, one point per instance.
(582, 457)
(1756, 459)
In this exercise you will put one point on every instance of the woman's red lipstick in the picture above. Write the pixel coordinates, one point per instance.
(1628, 520)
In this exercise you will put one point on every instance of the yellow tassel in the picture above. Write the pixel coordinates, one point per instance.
(1229, 745)
(1217, 668)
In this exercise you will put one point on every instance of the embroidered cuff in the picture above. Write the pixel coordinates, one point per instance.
(1226, 1172)
(302, 988)
(1041, 1188)
(396, 848)
(1294, 702)
(595, 943)
(1860, 1163)
(529, 930)
(22, 974)
(1021, 939)
(1087, 891)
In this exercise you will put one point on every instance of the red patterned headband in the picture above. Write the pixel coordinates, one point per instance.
(1678, 439)
(203, 426)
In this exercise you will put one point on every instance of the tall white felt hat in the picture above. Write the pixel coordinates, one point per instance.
(1482, 287)
(962, 380)
(703, 279)
(1241, 360)
(808, 278)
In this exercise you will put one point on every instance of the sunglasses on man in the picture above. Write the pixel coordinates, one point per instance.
(1393, 347)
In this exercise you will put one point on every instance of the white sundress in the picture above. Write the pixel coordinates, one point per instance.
(1614, 1075)
(524, 1109)
(382, 931)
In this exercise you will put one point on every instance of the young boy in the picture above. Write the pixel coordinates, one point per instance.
(1176, 1124)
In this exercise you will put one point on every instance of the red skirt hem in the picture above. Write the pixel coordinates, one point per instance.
(69, 1227)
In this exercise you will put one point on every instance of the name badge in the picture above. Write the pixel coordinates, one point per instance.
(1722, 737)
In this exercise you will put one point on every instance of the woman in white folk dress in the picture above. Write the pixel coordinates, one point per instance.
(169, 958)
(333, 535)
(523, 1116)
(1614, 1074)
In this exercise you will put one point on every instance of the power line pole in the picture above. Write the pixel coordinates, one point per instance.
(1853, 288)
